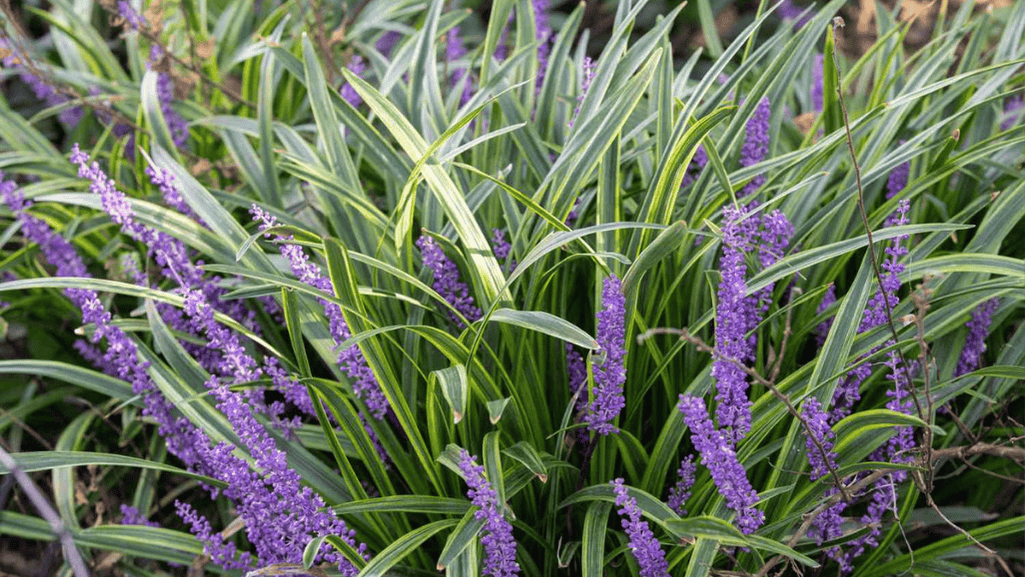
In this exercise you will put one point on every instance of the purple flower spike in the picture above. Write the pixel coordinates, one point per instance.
(357, 66)
(733, 318)
(386, 43)
(680, 492)
(447, 282)
(585, 85)
(610, 372)
(718, 455)
(818, 424)
(975, 344)
(351, 359)
(498, 542)
(501, 246)
(453, 52)
(643, 544)
(816, 82)
(543, 30)
(822, 331)
(756, 145)
(132, 19)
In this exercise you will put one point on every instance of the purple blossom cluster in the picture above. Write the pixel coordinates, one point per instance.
(756, 144)
(499, 544)
(822, 331)
(502, 249)
(279, 514)
(718, 455)
(697, 164)
(824, 460)
(447, 282)
(1013, 112)
(351, 359)
(176, 124)
(576, 368)
(386, 43)
(643, 545)
(132, 516)
(610, 370)
(816, 82)
(877, 312)
(680, 491)
(357, 66)
(734, 318)
(975, 343)
(454, 50)
(130, 16)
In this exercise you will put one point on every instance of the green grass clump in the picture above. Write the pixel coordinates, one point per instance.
(464, 215)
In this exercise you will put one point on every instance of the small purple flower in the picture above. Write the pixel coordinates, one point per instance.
(501, 246)
(447, 282)
(816, 82)
(386, 43)
(756, 144)
(643, 545)
(176, 124)
(132, 19)
(696, 165)
(132, 516)
(680, 492)
(718, 455)
(351, 359)
(574, 213)
(975, 343)
(585, 85)
(498, 542)
(453, 52)
(818, 424)
(610, 371)
(357, 66)
(576, 369)
(1013, 111)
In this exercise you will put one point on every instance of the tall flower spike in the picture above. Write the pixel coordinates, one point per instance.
(975, 343)
(543, 30)
(756, 144)
(610, 372)
(643, 545)
(680, 492)
(453, 52)
(733, 319)
(447, 282)
(498, 542)
(821, 461)
(718, 455)
(351, 359)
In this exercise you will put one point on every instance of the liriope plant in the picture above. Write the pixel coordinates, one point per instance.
(397, 289)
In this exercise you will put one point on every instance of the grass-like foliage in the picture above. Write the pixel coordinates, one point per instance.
(388, 287)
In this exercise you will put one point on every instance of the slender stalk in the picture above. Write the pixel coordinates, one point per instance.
(39, 501)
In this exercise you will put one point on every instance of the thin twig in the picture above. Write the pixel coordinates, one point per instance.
(837, 24)
(783, 343)
(71, 554)
(921, 300)
(854, 488)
